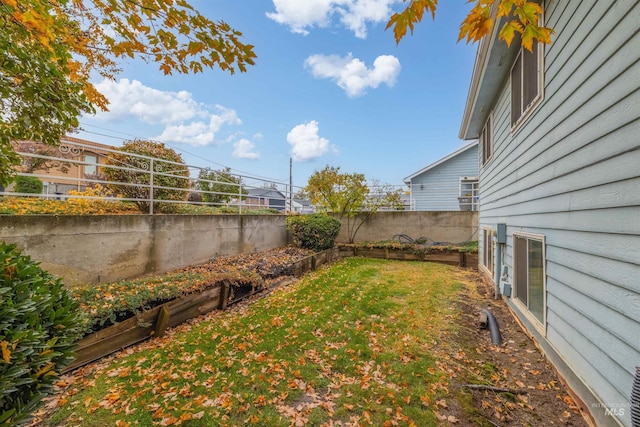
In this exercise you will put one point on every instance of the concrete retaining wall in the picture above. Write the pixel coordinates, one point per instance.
(453, 227)
(92, 249)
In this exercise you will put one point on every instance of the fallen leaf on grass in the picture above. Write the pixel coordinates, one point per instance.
(168, 421)
(426, 400)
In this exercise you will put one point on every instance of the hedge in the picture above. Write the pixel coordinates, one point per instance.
(38, 329)
(316, 231)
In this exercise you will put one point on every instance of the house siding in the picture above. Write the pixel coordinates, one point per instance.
(571, 173)
(438, 188)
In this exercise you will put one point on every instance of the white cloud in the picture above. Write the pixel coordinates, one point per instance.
(184, 119)
(301, 15)
(351, 74)
(153, 106)
(306, 143)
(359, 12)
(199, 133)
(245, 149)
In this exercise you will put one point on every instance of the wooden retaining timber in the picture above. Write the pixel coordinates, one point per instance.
(155, 321)
(149, 323)
(444, 256)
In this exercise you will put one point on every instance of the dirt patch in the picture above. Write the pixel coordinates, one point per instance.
(508, 385)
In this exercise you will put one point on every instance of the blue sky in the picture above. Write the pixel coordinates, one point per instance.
(330, 87)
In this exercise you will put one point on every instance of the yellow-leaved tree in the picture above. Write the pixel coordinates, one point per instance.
(522, 18)
(349, 198)
(49, 50)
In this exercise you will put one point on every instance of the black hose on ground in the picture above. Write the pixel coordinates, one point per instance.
(492, 324)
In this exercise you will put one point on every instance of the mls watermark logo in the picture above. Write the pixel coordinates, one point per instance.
(614, 412)
(617, 409)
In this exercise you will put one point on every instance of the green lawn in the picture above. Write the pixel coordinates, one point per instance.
(355, 343)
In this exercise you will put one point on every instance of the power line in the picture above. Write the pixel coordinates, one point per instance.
(239, 172)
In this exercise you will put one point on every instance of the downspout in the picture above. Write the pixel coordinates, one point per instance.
(500, 239)
(497, 267)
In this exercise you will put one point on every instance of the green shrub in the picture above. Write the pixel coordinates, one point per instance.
(317, 231)
(28, 184)
(38, 328)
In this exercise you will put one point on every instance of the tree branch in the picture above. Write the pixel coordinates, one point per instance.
(496, 389)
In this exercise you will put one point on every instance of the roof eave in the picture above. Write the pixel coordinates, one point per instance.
(492, 66)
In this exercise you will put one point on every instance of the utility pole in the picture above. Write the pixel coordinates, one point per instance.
(290, 184)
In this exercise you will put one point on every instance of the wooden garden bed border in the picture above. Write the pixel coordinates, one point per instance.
(154, 322)
(443, 256)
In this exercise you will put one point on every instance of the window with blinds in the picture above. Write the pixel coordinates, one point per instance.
(529, 273)
(526, 83)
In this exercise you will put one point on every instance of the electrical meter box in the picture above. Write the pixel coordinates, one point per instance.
(501, 236)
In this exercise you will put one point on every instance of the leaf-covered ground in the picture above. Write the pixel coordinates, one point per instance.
(522, 387)
(363, 342)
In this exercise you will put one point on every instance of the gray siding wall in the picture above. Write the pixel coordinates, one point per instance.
(572, 174)
(437, 189)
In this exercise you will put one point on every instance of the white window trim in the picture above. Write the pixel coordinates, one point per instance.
(483, 268)
(485, 162)
(89, 164)
(467, 179)
(475, 188)
(524, 310)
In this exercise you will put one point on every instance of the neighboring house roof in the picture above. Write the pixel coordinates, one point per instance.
(408, 179)
(302, 202)
(268, 193)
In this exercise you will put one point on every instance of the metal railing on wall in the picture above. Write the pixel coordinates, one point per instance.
(147, 181)
(74, 167)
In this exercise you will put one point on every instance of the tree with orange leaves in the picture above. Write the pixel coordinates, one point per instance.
(49, 50)
(522, 18)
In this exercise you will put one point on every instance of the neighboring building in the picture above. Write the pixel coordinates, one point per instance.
(265, 198)
(79, 160)
(303, 206)
(450, 184)
(559, 133)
